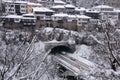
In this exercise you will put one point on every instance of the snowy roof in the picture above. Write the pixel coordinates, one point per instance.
(69, 6)
(36, 4)
(13, 16)
(83, 16)
(20, 1)
(64, 15)
(72, 16)
(80, 9)
(60, 15)
(11, 1)
(42, 9)
(59, 1)
(58, 6)
(63, 6)
(27, 17)
(8, 1)
(30, 14)
(20, 17)
(102, 6)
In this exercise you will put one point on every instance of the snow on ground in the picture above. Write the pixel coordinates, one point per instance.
(39, 47)
(83, 51)
(95, 39)
(82, 54)
(49, 30)
(54, 41)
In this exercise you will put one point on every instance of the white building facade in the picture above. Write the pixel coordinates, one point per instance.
(106, 12)
(15, 7)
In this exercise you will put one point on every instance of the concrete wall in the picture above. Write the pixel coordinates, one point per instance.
(40, 23)
(12, 25)
(72, 25)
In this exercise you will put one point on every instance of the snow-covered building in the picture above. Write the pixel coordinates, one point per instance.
(59, 2)
(113, 3)
(103, 8)
(19, 21)
(82, 19)
(67, 8)
(94, 14)
(106, 12)
(59, 16)
(70, 9)
(46, 3)
(60, 20)
(58, 8)
(49, 3)
(30, 6)
(71, 2)
(43, 13)
(80, 10)
(70, 22)
(43, 16)
(15, 7)
(12, 21)
(85, 3)
(28, 20)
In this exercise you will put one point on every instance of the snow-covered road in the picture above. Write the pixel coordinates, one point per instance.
(73, 64)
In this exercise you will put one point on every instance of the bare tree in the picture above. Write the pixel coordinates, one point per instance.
(111, 43)
(20, 62)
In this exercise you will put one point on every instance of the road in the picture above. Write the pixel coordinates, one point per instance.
(71, 63)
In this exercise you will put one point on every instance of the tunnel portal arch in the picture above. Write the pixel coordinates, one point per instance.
(60, 49)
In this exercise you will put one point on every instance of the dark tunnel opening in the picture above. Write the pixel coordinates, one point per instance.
(60, 49)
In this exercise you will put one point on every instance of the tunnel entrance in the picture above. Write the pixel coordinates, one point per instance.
(60, 49)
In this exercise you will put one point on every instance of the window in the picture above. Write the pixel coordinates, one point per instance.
(38, 18)
(23, 11)
(12, 5)
(41, 17)
(11, 10)
(16, 20)
(23, 6)
(6, 5)
(29, 16)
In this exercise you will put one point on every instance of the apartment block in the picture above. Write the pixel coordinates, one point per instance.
(113, 3)
(15, 7)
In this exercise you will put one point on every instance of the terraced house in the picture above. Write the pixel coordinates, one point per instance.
(113, 3)
(15, 7)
